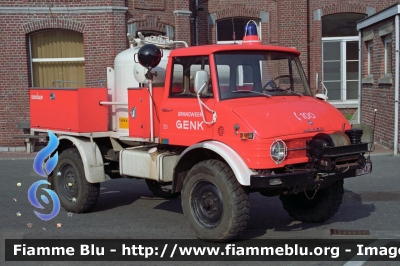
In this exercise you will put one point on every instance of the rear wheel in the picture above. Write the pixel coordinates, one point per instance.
(214, 204)
(319, 208)
(76, 194)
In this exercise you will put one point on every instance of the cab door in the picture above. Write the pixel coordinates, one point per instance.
(182, 120)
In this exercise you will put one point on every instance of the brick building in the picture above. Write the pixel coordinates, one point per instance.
(379, 42)
(70, 43)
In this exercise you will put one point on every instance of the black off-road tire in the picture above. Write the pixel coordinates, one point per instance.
(319, 209)
(76, 194)
(159, 191)
(214, 204)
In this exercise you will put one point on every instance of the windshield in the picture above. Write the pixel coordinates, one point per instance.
(259, 74)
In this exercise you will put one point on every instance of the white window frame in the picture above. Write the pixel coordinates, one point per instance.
(64, 59)
(343, 103)
(387, 42)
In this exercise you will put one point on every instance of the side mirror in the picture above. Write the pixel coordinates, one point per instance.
(200, 81)
(321, 96)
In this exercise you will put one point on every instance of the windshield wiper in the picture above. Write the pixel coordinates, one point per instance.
(255, 92)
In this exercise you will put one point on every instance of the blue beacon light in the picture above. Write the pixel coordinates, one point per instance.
(250, 33)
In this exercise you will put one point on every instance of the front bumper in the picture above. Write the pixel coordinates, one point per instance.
(344, 162)
(298, 180)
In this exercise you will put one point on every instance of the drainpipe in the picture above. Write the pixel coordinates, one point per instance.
(196, 20)
(396, 89)
(359, 76)
(308, 47)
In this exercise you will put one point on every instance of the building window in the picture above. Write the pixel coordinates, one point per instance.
(148, 33)
(368, 77)
(340, 68)
(369, 58)
(231, 30)
(57, 59)
(340, 24)
(169, 31)
(387, 56)
(340, 57)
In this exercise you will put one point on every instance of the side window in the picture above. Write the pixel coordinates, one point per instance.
(184, 72)
(177, 80)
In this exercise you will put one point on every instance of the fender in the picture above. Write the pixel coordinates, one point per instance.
(235, 162)
(91, 158)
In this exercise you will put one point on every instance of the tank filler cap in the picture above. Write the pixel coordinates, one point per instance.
(149, 56)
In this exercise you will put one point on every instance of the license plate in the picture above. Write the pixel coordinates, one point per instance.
(366, 169)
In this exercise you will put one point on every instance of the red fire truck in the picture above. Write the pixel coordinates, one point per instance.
(210, 123)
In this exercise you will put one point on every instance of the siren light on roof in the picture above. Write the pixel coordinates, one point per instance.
(251, 34)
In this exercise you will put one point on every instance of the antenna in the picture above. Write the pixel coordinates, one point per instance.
(233, 30)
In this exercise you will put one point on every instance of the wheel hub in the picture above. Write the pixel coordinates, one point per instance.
(207, 204)
(68, 181)
(210, 203)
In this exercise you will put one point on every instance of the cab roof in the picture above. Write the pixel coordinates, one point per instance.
(214, 48)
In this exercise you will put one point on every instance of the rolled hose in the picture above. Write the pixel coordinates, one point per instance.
(339, 139)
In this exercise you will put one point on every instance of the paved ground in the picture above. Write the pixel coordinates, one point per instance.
(126, 209)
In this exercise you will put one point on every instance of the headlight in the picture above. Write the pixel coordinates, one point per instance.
(278, 151)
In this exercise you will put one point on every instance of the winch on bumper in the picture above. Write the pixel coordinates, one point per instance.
(331, 157)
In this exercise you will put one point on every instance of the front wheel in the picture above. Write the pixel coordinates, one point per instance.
(76, 194)
(325, 203)
(214, 204)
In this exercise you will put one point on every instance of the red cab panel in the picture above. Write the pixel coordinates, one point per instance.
(69, 109)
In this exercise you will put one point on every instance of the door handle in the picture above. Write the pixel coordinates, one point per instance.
(166, 109)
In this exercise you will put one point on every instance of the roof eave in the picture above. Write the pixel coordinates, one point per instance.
(380, 16)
